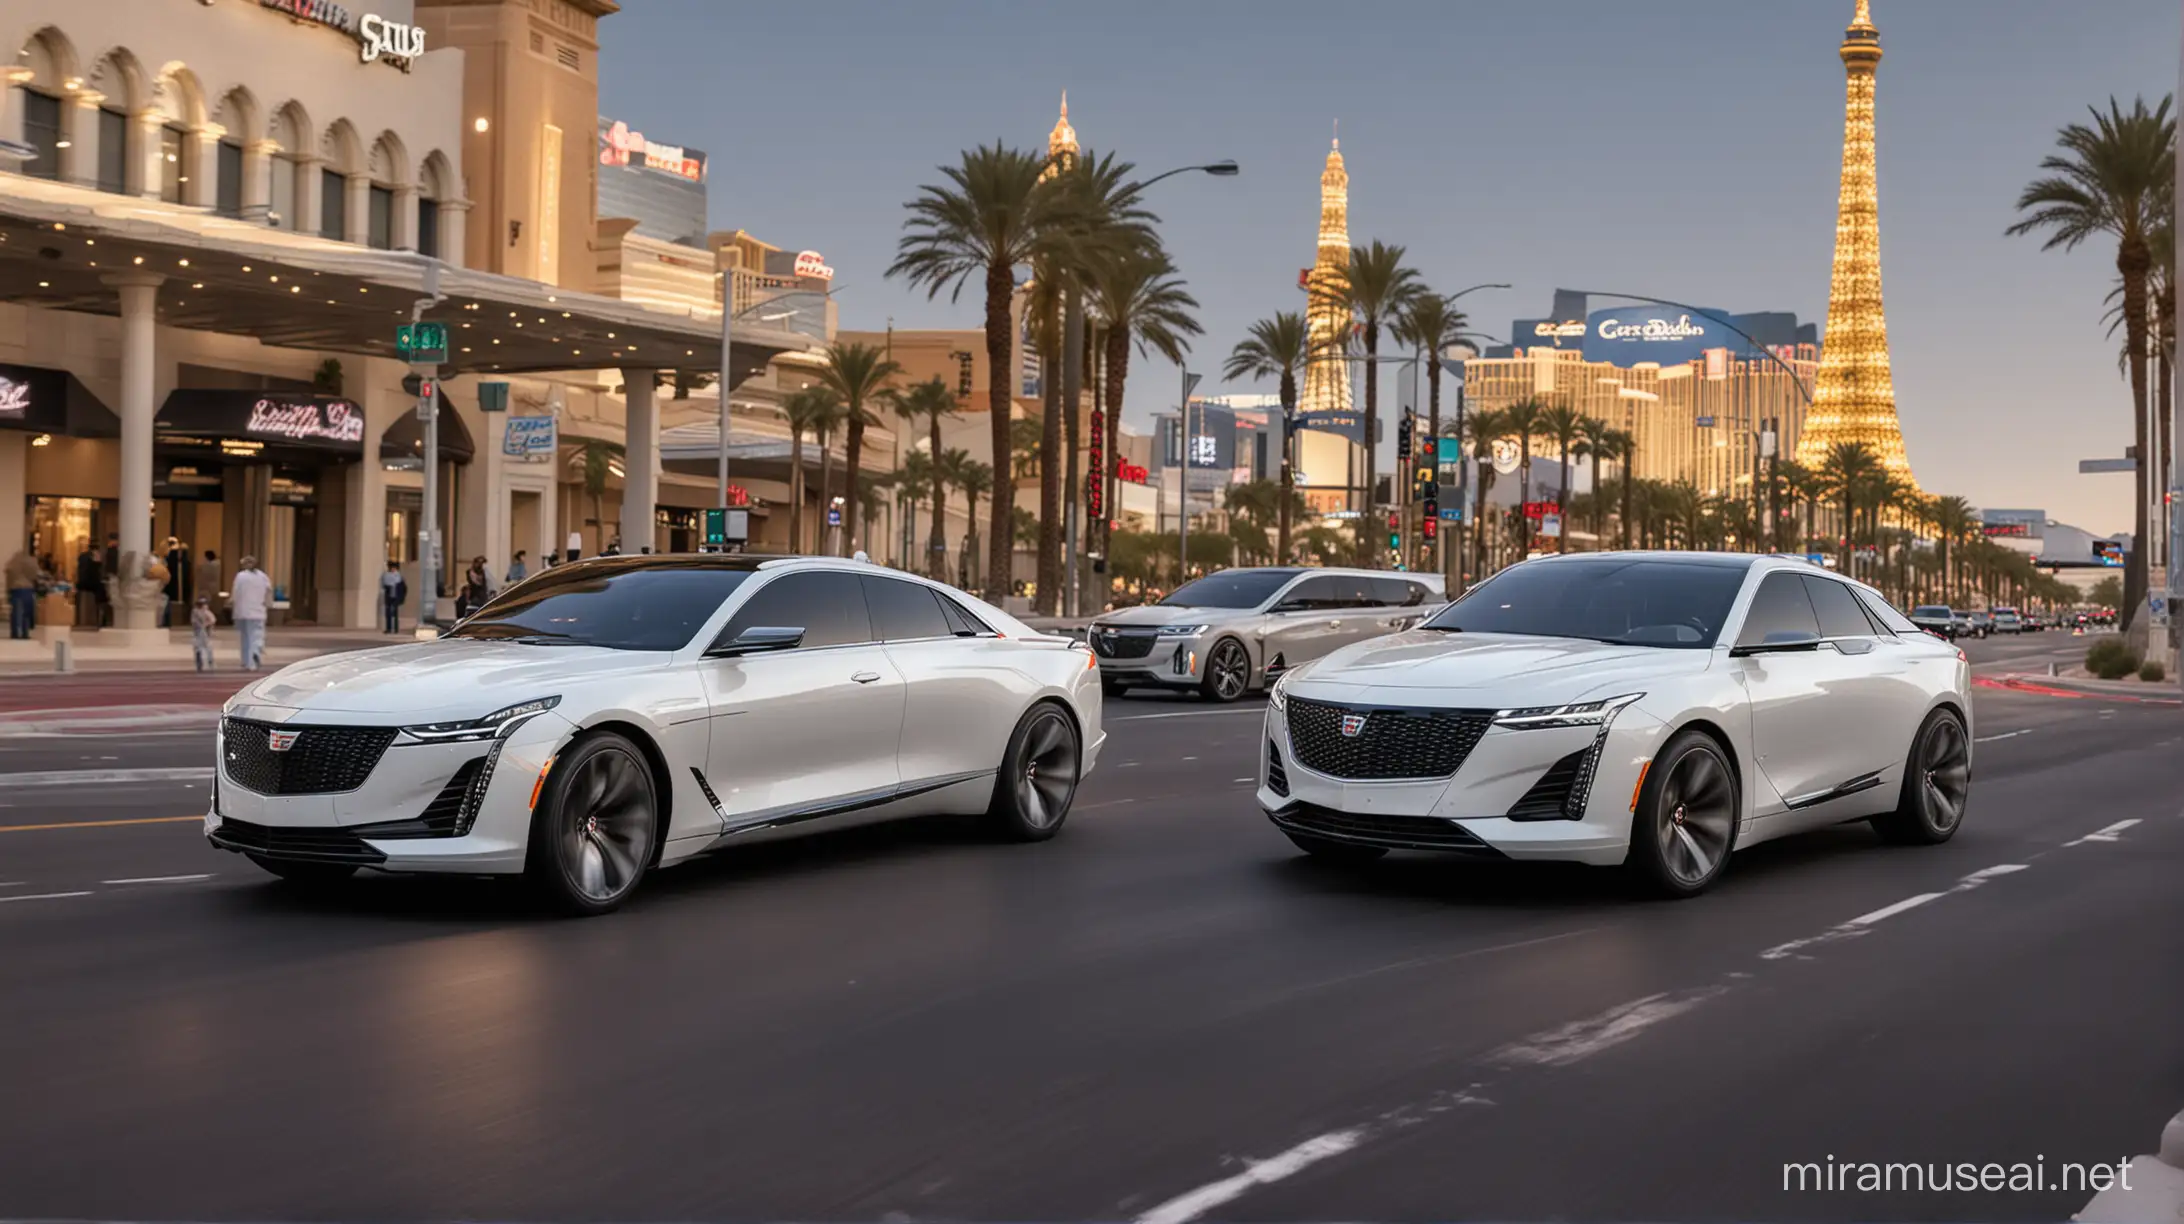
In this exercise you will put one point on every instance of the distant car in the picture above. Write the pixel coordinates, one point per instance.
(1937, 620)
(1981, 624)
(1237, 630)
(2006, 620)
(1653, 710)
(1962, 621)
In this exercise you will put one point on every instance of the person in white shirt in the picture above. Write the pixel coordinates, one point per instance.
(248, 599)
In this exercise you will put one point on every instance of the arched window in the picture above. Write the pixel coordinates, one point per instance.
(431, 190)
(51, 62)
(293, 132)
(173, 171)
(237, 118)
(387, 171)
(340, 151)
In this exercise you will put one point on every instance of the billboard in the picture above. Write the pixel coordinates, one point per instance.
(2014, 524)
(1664, 335)
(661, 187)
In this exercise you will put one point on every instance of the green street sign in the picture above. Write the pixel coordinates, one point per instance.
(421, 343)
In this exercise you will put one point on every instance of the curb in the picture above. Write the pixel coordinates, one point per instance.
(2055, 686)
(92, 720)
(2151, 1190)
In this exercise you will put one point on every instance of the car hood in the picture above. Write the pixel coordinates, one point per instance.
(1167, 614)
(1532, 670)
(445, 679)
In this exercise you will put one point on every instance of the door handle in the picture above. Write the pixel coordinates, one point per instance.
(865, 677)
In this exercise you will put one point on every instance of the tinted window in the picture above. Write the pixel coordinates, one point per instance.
(1931, 610)
(1647, 603)
(228, 198)
(626, 609)
(1397, 593)
(1354, 591)
(1840, 615)
(829, 608)
(1314, 594)
(904, 611)
(1243, 588)
(960, 620)
(113, 150)
(1779, 606)
(1894, 621)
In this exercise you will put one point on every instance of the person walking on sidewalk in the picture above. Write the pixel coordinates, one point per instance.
(393, 593)
(202, 623)
(252, 595)
(90, 585)
(22, 575)
(208, 579)
(517, 570)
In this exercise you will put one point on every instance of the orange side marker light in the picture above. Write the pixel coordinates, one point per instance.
(1642, 768)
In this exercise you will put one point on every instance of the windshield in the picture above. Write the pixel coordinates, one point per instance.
(623, 609)
(1230, 589)
(1931, 611)
(1622, 600)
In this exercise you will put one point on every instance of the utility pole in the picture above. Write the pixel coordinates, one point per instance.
(424, 346)
(1183, 484)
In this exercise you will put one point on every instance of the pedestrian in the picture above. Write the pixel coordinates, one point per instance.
(477, 586)
(393, 593)
(90, 585)
(112, 573)
(553, 559)
(176, 561)
(251, 596)
(517, 570)
(22, 575)
(202, 623)
(208, 579)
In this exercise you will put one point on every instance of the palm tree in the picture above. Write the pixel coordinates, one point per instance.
(913, 476)
(975, 479)
(2110, 179)
(1593, 439)
(995, 213)
(1043, 301)
(1563, 423)
(1430, 323)
(1138, 298)
(859, 374)
(596, 459)
(1279, 348)
(930, 401)
(809, 411)
(1953, 521)
(1523, 421)
(1486, 427)
(1849, 464)
(1375, 289)
(828, 415)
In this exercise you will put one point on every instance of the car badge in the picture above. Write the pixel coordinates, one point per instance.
(282, 741)
(1352, 724)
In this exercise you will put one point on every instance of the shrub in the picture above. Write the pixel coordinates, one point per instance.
(2109, 658)
(2152, 671)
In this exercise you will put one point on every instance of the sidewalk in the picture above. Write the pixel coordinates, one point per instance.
(283, 645)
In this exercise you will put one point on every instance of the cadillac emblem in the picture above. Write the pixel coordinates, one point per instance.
(1352, 724)
(282, 741)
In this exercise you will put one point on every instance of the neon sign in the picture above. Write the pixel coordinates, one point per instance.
(14, 398)
(812, 264)
(618, 145)
(335, 422)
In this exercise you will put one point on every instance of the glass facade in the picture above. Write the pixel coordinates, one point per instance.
(660, 187)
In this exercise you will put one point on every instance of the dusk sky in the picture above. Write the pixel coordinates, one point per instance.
(1685, 149)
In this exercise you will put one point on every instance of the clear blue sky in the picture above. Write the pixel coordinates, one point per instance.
(1681, 148)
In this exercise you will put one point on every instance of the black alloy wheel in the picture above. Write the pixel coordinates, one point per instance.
(1038, 777)
(593, 834)
(1686, 823)
(1937, 785)
(1228, 672)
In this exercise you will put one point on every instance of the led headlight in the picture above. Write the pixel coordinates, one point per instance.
(1181, 630)
(499, 722)
(1578, 714)
(1278, 696)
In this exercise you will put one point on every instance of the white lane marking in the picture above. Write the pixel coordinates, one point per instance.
(106, 777)
(1246, 779)
(1190, 758)
(44, 896)
(176, 879)
(1988, 739)
(1259, 710)
(1581, 1039)
(1189, 1206)
(1889, 911)
(2108, 834)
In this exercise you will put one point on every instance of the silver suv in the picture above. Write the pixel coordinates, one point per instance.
(1233, 631)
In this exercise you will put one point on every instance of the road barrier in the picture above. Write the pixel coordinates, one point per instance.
(2151, 1190)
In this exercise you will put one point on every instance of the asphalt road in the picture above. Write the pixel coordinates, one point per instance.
(1164, 1015)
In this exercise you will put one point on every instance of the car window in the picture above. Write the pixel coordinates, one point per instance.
(1245, 588)
(1396, 593)
(1318, 593)
(904, 611)
(1840, 615)
(1894, 621)
(1354, 591)
(1779, 606)
(960, 620)
(828, 607)
(589, 605)
(1607, 599)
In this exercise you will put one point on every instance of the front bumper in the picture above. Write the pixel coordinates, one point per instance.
(409, 813)
(1171, 663)
(1469, 812)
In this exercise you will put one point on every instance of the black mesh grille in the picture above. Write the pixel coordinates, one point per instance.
(1390, 743)
(321, 761)
(451, 811)
(1389, 832)
(1277, 778)
(1110, 644)
(303, 845)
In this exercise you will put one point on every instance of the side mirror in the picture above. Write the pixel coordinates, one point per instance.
(759, 639)
(1781, 641)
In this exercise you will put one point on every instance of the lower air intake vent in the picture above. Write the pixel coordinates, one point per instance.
(1277, 778)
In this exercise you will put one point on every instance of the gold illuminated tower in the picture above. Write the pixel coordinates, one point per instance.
(1061, 142)
(1327, 378)
(1855, 396)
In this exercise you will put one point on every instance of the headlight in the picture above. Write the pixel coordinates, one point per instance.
(498, 722)
(1181, 630)
(1578, 714)
(1278, 696)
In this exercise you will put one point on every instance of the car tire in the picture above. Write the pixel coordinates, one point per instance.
(596, 828)
(1228, 672)
(1685, 825)
(1113, 688)
(1334, 851)
(1038, 777)
(1937, 785)
(308, 874)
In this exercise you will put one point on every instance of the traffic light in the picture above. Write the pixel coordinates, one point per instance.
(1403, 435)
(418, 386)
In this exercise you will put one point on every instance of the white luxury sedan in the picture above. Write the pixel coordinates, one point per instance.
(1658, 710)
(609, 716)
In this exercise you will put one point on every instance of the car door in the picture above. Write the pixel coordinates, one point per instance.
(1874, 693)
(1305, 622)
(959, 707)
(1367, 608)
(1797, 722)
(1401, 601)
(800, 733)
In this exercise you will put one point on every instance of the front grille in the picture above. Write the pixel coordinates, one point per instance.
(1392, 743)
(1388, 832)
(322, 761)
(1277, 778)
(303, 845)
(1108, 644)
